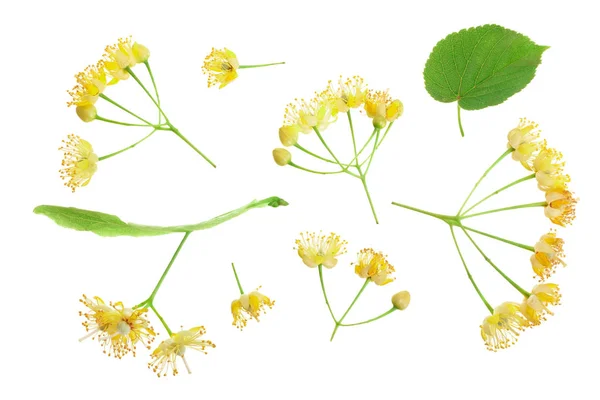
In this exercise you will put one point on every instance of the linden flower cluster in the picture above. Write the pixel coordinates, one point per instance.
(318, 251)
(117, 63)
(505, 323)
(318, 113)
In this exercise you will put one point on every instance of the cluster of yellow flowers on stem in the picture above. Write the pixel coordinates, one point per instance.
(318, 251)
(221, 66)
(118, 329)
(116, 65)
(316, 114)
(503, 326)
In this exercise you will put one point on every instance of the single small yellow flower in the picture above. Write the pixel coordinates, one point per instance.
(381, 108)
(90, 84)
(164, 357)
(318, 113)
(350, 93)
(282, 157)
(118, 57)
(288, 135)
(548, 254)
(401, 300)
(561, 207)
(374, 266)
(501, 329)
(524, 139)
(117, 329)
(79, 162)
(249, 306)
(535, 307)
(221, 67)
(320, 250)
(548, 167)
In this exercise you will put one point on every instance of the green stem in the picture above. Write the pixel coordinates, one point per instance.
(176, 131)
(331, 152)
(529, 205)
(525, 178)
(313, 171)
(155, 88)
(353, 138)
(260, 65)
(313, 154)
(523, 246)
(462, 133)
(364, 147)
(443, 217)
(114, 103)
(519, 288)
(364, 182)
(237, 279)
(338, 323)
(126, 148)
(164, 275)
(391, 310)
(111, 121)
(489, 307)
(372, 153)
(134, 76)
(164, 323)
(385, 134)
(325, 293)
(507, 152)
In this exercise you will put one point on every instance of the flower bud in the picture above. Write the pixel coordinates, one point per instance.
(282, 157)
(288, 135)
(86, 113)
(401, 300)
(379, 122)
(140, 52)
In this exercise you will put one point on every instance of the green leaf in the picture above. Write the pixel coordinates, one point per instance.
(481, 67)
(110, 225)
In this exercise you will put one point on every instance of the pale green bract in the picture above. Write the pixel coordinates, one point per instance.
(110, 225)
(481, 67)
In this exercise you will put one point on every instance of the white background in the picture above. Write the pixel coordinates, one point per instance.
(431, 349)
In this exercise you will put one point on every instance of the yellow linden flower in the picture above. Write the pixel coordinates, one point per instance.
(548, 253)
(381, 108)
(373, 265)
(249, 306)
(320, 250)
(561, 207)
(79, 162)
(501, 329)
(524, 139)
(90, 83)
(117, 328)
(350, 93)
(120, 56)
(164, 357)
(548, 167)
(535, 307)
(318, 113)
(221, 67)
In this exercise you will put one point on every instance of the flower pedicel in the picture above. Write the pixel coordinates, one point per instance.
(316, 114)
(502, 328)
(318, 251)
